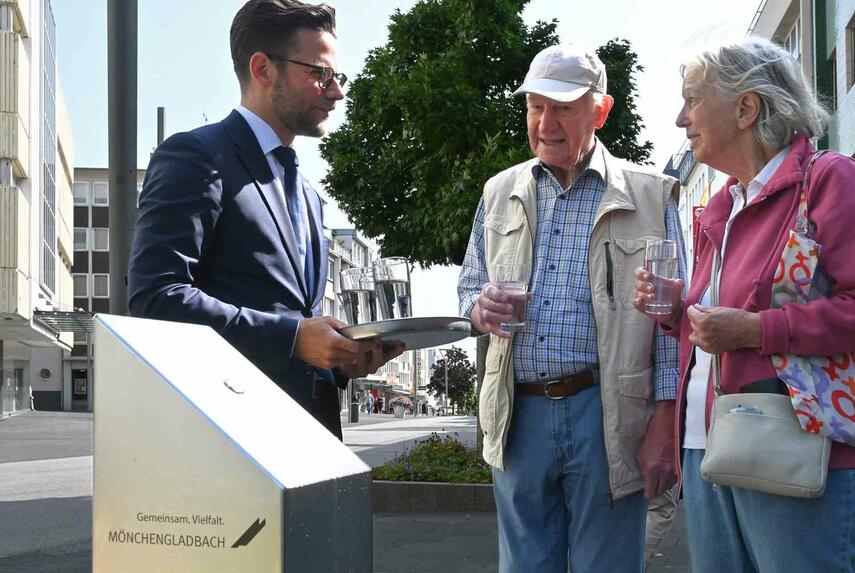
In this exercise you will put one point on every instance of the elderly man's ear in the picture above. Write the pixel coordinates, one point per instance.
(603, 111)
(747, 110)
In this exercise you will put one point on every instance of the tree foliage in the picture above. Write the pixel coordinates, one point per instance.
(621, 131)
(461, 377)
(431, 118)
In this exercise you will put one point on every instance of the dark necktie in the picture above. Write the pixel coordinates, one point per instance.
(294, 200)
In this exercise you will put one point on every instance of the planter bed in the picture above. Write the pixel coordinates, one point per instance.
(411, 496)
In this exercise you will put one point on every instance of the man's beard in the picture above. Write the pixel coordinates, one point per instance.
(295, 120)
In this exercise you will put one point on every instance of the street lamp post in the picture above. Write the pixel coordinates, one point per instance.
(444, 354)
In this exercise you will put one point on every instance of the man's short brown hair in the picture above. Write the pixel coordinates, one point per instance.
(268, 26)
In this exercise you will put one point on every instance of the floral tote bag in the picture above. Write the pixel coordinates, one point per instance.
(822, 388)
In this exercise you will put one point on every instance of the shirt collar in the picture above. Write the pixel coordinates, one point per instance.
(756, 184)
(267, 138)
(596, 163)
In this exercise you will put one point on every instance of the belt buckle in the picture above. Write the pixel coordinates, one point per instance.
(546, 390)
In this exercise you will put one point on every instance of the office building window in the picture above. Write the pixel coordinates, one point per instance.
(100, 193)
(81, 285)
(100, 286)
(793, 41)
(48, 152)
(81, 192)
(100, 239)
(832, 82)
(850, 54)
(81, 239)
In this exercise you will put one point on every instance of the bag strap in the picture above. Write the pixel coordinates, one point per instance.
(715, 359)
(802, 221)
(801, 227)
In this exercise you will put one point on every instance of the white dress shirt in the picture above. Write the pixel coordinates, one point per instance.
(268, 140)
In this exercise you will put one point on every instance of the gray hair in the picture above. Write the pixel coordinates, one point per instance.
(789, 107)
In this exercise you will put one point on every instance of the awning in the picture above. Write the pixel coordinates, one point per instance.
(64, 321)
(368, 383)
(397, 391)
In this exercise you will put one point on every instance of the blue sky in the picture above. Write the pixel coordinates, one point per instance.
(185, 66)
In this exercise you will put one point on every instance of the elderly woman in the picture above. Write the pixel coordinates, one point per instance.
(749, 112)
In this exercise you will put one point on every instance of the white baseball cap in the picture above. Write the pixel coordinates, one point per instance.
(564, 73)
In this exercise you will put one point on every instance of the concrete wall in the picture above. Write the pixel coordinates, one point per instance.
(45, 374)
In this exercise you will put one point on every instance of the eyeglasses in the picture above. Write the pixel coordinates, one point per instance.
(325, 75)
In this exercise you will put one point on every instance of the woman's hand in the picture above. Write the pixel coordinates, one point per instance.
(644, 290)
(718, 329)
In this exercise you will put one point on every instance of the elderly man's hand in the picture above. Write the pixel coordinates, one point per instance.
(719, 329)
(644, 290)
(492, 308)
(656, 456)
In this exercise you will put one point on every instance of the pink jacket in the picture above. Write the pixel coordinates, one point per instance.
(754, 248)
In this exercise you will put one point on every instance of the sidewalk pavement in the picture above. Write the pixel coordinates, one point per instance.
(46, 503)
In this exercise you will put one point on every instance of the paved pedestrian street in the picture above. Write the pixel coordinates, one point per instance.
(46, 500)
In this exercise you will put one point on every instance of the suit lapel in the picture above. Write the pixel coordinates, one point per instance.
(313, 206)
(254, 161)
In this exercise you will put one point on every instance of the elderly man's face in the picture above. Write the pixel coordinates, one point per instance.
(561, 134)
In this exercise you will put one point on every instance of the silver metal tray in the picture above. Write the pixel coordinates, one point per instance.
(415, 333)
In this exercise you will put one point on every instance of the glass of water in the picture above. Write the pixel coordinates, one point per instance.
(357, 295)
(517, 293)
(392, 287)
(661, 262)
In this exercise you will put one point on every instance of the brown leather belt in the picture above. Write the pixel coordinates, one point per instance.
(561, 388)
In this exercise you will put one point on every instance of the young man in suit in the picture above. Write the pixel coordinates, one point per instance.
(230, 234)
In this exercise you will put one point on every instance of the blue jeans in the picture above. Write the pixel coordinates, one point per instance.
(552, 498)
(741, 530)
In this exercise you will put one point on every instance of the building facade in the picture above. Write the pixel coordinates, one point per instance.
(90, 276)
(400, 376)
(697, 182)
(36, 175)
(821, 35)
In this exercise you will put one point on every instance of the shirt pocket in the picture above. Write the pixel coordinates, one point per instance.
(502, 235)
(628, 255)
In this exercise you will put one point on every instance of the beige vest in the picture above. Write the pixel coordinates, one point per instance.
(631, 211)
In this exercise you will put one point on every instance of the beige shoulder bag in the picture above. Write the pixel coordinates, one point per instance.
(755, 441)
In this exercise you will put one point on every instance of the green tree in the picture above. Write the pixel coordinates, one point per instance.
(429, 120)
(621, 131)
(461, 377)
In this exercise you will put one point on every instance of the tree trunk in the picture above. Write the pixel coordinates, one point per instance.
(482, 343)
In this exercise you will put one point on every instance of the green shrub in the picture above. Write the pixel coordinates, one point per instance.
(437, 459)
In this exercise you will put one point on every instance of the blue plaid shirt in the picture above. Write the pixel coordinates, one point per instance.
(560, 333)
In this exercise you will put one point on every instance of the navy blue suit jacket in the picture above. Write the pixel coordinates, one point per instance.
(214, 245)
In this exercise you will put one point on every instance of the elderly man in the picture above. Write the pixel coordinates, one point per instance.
(567, 398)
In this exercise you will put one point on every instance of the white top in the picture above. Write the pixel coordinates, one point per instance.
(268, 140)
(695, 437)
